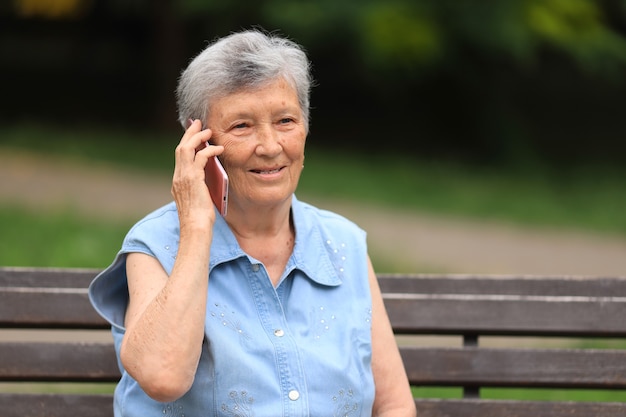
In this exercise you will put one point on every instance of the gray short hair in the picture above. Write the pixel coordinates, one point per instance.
(243, 60)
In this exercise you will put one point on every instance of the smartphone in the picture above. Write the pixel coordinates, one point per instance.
(217, 181)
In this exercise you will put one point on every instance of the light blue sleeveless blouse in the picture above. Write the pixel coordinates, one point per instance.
(302, 348)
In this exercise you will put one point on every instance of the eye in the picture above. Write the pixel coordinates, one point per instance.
(285, 120)
(240, 126)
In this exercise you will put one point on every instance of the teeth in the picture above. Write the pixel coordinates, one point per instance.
(273, 171)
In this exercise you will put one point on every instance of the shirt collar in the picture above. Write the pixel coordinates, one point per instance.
(309, 254)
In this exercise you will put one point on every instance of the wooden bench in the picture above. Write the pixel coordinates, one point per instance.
(470, 308)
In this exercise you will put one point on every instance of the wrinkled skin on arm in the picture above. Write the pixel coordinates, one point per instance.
(165, 316)
(393, 392)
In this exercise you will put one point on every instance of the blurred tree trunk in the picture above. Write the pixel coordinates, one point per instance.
(168, 49)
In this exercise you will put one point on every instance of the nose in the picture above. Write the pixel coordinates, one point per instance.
(268, 141)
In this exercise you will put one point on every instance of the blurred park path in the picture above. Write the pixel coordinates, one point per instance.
(416, 242)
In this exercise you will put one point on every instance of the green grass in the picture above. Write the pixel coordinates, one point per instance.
(57, 239)
(58, 388)
(527, 394)
(535, 394)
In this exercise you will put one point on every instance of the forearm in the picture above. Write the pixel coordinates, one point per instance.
(393, 392)
(163, 341)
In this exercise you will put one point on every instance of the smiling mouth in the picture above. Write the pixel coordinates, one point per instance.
(269, 171)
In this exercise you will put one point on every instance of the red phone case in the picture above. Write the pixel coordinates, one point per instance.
(217, 180)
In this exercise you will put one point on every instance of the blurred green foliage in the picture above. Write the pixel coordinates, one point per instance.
(411, 34)
(398, 34)
(498, 83)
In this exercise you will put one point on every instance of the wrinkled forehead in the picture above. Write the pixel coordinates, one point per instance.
(252, 88)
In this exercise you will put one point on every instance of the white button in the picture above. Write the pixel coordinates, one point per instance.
(294, 395)
(256, 267)
(279, 333)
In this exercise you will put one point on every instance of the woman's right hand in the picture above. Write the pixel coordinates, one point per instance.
(189, 187)
(165, 315)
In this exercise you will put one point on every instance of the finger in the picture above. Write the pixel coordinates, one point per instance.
(202, 157)
(193, 127)
(193, 130)
(193, 141)
(208, 150)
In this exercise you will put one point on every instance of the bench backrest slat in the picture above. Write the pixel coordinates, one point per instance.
(46, 307)
(504, 408)
(56, 405)
(503, 285)
(536, 368)
(507, 315)
(62, 362)
(46, 277)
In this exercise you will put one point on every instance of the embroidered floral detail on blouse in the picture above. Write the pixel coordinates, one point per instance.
(228, 319)
(240, 404)
(173, 410)
(338, 255)
(344, 403)
(322, 321)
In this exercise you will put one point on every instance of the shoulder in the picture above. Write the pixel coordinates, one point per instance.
(159, 224)
(166, 215)
(156, 235)
(316, 227)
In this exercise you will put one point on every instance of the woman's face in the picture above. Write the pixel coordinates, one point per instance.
(263, 135)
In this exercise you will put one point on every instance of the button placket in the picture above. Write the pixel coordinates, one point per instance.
(288, 366)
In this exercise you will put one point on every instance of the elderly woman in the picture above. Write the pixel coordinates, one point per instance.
(270, 310)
